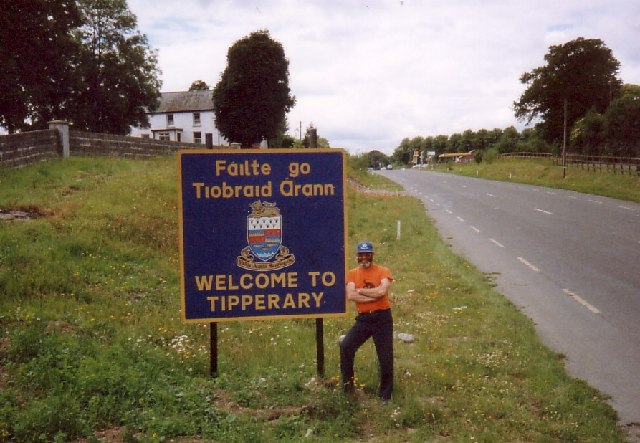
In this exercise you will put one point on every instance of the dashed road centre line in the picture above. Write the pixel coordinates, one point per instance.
(582, 301)
(529, 265)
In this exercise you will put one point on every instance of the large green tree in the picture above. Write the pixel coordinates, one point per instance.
(118, 75)
(581, 73)
(38, 58)
(252, 98)
(80, 60)
(403, 154)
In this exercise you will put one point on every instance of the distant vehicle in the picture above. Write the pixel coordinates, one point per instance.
(389, 167)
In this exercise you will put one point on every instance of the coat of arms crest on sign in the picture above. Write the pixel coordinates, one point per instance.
(264, 250)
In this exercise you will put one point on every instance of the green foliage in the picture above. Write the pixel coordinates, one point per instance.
(622, 123)
(508, 141)
(103, 347)
(252, 98)
(403, 154)
(82, 61)
(588, 134)
(118, 73)
(36, 50)
(491, 155)
(199, 85)
(377, 159)
(581, 73)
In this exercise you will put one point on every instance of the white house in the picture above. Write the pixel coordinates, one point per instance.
(185, 117)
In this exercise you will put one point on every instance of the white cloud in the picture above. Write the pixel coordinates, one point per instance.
(369, 73)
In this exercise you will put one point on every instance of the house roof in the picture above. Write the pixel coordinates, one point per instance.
(186, 101)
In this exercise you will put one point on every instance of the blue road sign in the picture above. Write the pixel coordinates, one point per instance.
(262, 234)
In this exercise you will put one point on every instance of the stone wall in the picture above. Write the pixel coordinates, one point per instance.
(94, 144)
(29, 147)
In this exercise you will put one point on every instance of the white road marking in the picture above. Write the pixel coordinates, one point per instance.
(496, 242)
(491, 195)
(626, 207)
(595, 201)
(582, 301)
(448, 211)
(543, 211)
(459, 218)
(529, 265)
(475, 229)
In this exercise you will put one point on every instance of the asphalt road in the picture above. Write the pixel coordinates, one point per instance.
(569, 261)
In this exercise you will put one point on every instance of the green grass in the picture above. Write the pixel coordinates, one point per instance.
(91, 339)
(545, 172)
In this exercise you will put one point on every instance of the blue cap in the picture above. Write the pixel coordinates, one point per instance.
(365, 246)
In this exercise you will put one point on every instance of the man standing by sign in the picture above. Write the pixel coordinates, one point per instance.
(368, 286)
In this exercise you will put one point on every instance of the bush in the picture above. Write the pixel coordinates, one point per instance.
(490, 155)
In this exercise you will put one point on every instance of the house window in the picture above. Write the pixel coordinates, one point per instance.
(197, 137)
(196, 119)
(164, 136)
(170, 120)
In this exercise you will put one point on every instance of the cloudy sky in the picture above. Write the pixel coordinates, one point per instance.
(368, 73)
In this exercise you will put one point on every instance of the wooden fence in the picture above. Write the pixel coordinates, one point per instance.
(621, 165)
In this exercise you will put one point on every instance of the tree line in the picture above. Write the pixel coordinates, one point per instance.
(575, 98)
(79, 60)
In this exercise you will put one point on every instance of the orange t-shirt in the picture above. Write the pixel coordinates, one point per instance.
(370, 278)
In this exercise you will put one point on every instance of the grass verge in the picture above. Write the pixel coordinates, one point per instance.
(91, 342)
(545, 172)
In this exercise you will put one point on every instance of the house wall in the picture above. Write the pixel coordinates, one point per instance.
(183, 121)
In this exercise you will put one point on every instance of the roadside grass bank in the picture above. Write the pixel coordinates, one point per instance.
(91, 341)
(373, 181)
(544, 172)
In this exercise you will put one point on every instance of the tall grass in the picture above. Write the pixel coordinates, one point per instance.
(91, 340)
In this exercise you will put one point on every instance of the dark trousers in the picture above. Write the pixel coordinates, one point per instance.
(378, 325)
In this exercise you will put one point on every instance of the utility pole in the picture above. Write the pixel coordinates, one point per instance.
(564, 142)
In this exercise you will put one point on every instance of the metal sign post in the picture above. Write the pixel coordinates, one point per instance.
(213, 349)
(320, 347)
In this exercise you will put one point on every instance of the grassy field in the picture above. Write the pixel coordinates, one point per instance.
(545, 172)
(92, 347)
